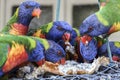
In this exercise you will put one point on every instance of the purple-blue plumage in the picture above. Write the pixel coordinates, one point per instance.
(58, 31)
(37, 53)
(25, 12)
(1, 72)
(92, 26)
(88, 51)
(55, 52)
(115, 49)
(73, 37)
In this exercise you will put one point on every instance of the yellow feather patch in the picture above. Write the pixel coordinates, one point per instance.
(117, 44)
(17, 10)
(117, 26)
(17, 48)
(37, 33)
(102, 20)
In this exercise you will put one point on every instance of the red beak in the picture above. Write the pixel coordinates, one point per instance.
(66, 36)
(85, 39)
(36, 12)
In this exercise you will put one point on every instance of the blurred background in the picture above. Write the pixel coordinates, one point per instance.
(71, 11)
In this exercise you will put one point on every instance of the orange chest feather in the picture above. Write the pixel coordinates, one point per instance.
(16, 56)
(18, 29)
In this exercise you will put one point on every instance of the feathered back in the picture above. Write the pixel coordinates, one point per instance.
(28, 42)
(109, 14)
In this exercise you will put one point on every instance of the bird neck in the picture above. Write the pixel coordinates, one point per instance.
(44, 42)
(24, 20)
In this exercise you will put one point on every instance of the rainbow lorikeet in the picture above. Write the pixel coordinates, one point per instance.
(19, 22)
(98, 46)
(15, 50)
(101, 47)
(56, 31)
(105, 21)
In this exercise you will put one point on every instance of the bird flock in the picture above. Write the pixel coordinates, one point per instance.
(57, 41)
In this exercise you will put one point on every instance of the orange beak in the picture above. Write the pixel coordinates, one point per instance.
(36, 12)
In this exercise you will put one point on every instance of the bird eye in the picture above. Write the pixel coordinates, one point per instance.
(90, 28)
(59, 28)
(38, 6)
(59, 52)
(28, 6)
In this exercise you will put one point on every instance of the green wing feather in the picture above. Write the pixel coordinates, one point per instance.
(77, 31)
(13, 19)
(109, 14)
(43, 42)
(3, 53)
(25, 40)
(45, 28)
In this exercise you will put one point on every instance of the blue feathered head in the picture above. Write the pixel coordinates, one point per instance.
(37, 54)
(91, 26)
(88, 48)
(73, 36)
(28, 10)
(55, 53)
(57, 31)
